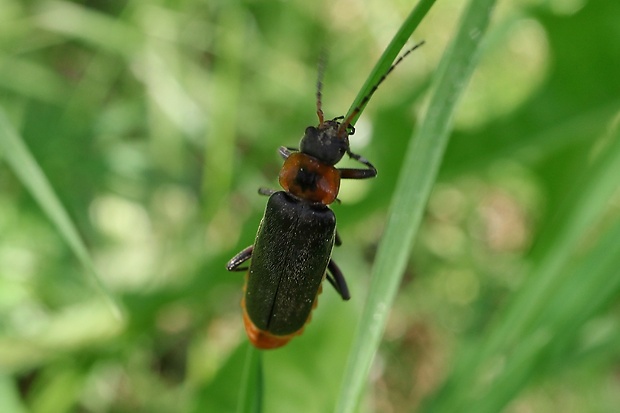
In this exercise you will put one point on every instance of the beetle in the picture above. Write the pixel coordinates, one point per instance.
(291, 255)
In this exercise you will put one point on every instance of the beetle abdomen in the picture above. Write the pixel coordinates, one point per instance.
(264, 339)
(291, 253)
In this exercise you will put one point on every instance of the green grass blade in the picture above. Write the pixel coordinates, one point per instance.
(251, 391)
(28, 171)
(555, 300)
(390, 53)
(417, 176)
(590, 203)
(558, 335)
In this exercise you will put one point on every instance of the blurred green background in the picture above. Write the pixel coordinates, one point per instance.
(155, 123)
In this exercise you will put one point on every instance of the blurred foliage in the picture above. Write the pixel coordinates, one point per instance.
(155, 122)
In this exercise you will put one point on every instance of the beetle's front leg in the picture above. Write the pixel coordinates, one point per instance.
(354, 173)
(286, 151)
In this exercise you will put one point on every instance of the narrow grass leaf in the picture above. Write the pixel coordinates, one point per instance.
(390, 53)
(84, 23)
(556, 336)
(589, 204)
(225, 87)
(417, 176)
(251, 391)
(535, 307)
(29, 172)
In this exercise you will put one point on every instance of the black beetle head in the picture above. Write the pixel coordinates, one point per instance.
(326, 142)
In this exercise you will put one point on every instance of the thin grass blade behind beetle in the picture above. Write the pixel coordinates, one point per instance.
(416, 179)
(251, 390)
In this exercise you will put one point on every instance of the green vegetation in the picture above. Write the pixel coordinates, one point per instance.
(134, 136)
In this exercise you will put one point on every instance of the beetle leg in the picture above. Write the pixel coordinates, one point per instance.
(331, 281)
(349, 173)
(286, 151)
(237, 260)
(337, 239)
(266, 191)
(354, 173)
(336, 279)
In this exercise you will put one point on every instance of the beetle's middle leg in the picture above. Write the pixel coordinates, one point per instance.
(337, 239)
(336, 279)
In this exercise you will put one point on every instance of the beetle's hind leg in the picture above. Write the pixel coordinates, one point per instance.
(237, 260)
(336, 279)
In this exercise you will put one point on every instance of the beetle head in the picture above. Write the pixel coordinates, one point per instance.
(327, 142)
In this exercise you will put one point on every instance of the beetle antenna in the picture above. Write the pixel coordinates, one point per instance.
(319, 86)
(346, 124)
